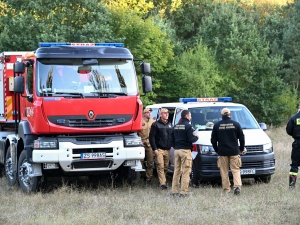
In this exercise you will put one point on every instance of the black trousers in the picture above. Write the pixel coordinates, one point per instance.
(295, 156)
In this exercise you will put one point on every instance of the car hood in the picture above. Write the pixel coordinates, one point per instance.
(252, 137)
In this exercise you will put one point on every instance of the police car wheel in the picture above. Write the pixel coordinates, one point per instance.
(263, 179)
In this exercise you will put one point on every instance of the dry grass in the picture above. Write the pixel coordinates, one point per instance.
(261, 204)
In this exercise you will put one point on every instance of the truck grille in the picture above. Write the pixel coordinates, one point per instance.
(259, 164)
(254, 149)
(83, 121)
(91, 150)
(245, 165)
(91, 164)
(90, 123)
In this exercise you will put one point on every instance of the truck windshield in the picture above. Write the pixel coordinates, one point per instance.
(201, 116)
(68, 76)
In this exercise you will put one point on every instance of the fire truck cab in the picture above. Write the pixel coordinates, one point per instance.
(70, 109)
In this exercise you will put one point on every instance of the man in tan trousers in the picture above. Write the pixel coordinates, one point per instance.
(160, 140)
(144, 134)
(183, 143)
(228, 140)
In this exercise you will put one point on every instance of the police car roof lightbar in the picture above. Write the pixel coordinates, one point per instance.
(215, 99)
(57, 44)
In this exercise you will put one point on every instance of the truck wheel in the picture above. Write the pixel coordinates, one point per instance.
(264, 179)
(131, 176)
(27, 183)
(2, 171)
(11, 176)
(122, 175)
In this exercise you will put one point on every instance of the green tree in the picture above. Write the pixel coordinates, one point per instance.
(250, 73)
(53, 20)
(291, 48)
(194, 74)
(146, 41)
(187, 19)
(139, 7)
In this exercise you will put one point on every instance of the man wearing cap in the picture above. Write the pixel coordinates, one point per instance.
(225, 138)
(160, 138)
(183, 143)
(144, 134)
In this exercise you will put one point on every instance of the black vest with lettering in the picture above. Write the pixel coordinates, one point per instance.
(227, 137)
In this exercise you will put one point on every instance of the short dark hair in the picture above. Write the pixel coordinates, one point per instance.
(184, 113)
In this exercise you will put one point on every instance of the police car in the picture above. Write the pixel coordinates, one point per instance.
(257, 163)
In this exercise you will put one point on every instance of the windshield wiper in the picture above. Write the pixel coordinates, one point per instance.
(68, 94)
(109, 94)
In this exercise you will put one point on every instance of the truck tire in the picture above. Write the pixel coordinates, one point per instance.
(131, 176)
(11, 176)
(264, 179)
(28, 184)
(123, 175)
(2, 171)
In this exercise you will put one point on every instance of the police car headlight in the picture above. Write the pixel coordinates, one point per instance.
(206, 150)
(268, 148)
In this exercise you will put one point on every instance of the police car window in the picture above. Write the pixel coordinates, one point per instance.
(198, 117)
(177, 115)
(154, 113)
(171, 114)
(244, 117)
(201, 116)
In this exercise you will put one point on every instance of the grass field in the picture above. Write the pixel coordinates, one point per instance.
(77, 202)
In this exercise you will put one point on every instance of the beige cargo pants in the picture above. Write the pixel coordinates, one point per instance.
(234, 162)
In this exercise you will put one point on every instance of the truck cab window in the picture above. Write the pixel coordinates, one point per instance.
(29, 80)
(58, 76)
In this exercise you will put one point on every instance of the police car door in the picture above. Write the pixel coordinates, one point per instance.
(176, 119)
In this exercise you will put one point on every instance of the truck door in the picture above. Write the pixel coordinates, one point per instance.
(27, 104)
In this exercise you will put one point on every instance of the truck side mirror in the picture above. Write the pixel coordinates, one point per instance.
(19, 84)
(147, 84)
(145, 68)
(263, 126)
(19, 67)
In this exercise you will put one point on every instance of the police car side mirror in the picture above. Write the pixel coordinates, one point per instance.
(263, 126)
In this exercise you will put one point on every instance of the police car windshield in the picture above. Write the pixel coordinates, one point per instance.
(70, 76)
(205, 117)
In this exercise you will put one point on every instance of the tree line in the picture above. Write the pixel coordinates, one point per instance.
(197, 48)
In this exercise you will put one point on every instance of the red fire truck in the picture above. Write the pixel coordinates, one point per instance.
(70, 109)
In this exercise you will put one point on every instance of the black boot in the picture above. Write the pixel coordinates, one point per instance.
(293, 179)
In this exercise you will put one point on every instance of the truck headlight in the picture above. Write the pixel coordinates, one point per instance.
(133, 141)
(45, 144)
(130, 163)
(206, 150)
(268, 148)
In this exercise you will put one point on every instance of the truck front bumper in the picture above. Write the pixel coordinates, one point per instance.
(69, 156)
